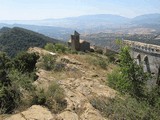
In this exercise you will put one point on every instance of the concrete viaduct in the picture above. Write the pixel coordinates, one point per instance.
(146, 55)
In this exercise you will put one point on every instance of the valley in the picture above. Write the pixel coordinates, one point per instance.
(90, 24)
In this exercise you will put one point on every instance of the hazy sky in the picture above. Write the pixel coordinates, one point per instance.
(43, 9)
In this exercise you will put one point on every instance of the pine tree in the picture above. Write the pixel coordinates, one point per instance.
(133, 76)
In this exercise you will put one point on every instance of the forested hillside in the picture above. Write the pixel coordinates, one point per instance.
(17, 39)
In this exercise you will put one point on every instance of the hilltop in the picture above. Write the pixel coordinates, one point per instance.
(69, 85)
(80, 76)
(14, 40)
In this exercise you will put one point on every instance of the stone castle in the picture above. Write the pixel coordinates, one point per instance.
(75, 43)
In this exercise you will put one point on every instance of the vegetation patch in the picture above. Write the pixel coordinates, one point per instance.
(16, 76)
(58, 48)
(53, 98)
(139, 102)
(15, 40)
(111, 56)
(49, 62)
(125, 109)
(129, 77)
(97, 61)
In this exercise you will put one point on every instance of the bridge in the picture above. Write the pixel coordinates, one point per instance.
(146, 55)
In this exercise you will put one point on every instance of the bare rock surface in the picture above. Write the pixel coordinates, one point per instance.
(40, 51)
(35, 112)
(80, 84)
(68, 115)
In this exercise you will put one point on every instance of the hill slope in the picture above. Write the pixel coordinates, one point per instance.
(17, 39)
(147, 19)
(80, 79)
(59, 33)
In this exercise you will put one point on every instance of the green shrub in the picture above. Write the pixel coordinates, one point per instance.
(53, 98)
(25, 62)
(48, 62)
(130, 77)
(5, 61)
(98, 61)
(9, 99)
(116, 81)
(73, 51)
(23, 84)
(22, 80)
(60, 48)
(153, 97)
(132, 73)
(49, 47)
(56, 92)
(17, 75)
(9, 94)
(102, 63)
(124, 109)
(111, 56)
(39, 97)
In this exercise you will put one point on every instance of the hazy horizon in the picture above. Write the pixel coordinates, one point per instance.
(54, 9)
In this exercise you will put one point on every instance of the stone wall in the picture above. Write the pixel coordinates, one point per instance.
(85, 46)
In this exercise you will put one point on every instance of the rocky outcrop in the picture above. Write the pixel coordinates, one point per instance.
(35, 112)
(68, 115)
(40, 51)
(80, 85)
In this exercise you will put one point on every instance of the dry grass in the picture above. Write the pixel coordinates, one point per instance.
(87, 68)
(66, 74)
(89, 64)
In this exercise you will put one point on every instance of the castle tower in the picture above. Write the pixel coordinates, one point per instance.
(75, 41)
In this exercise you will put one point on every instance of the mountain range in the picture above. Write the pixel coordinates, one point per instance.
(87, 24)
(91, 20)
